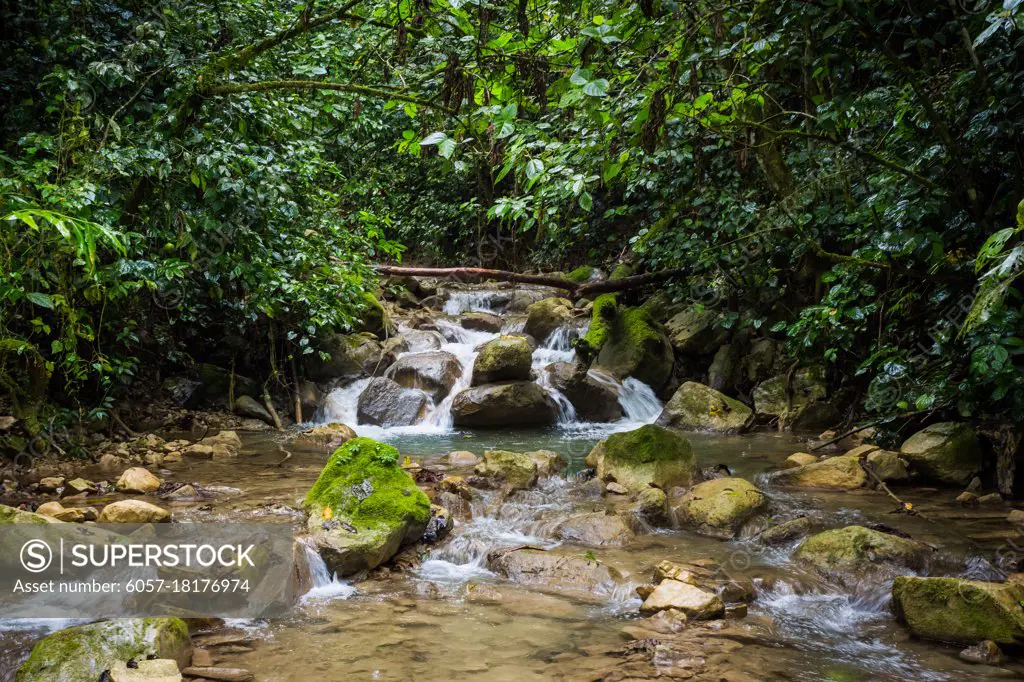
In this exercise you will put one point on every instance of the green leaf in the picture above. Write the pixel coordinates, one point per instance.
(534, 168)
(446, 147)
(596, 88)
(433, 138)
(586, 201)
(40, 299)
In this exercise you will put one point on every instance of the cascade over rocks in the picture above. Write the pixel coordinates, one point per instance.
(636, 346)
(593, 400)
(384, 403)
(719, 507)
(434, 373)
(947, 452)
(701, 408)
(649, 456)
(517, 403)
(363, 508)
(854, 554)
(961, 611)
(506, 358)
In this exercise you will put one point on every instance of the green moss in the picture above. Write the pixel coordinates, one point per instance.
(637, 347)
(621, 271)
(955, 610)
(649, 443)
(12, 515)
(602, 318)
(718, 507)
(83, 653)
(696, 406)
(649, 456)
(373, 317)
(507, 358)
(583, 273)
(395, 499)
(855, 549)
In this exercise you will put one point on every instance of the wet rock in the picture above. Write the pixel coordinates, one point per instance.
(695, 331)
(137, 480)
(799, 459)
(352, 356)
(50, 509)
(219, 674)
(983, 653)
(461, 458)
(1016, 517)
(593, 399)
(967, 499)
(649, 456)
(595, 530)
(638, 347)
(326, 436)
(12, 515)
(223, 445)
(519, 403)
(484, 322)
(787, 531)
(888, 466)
(547, 315)
(439, 525)
(73, 514)
(418, 340)
(991, 500)
(50, 484)
(760, 362)
(78, 486)
(433, 372)
(651, 505)
(955, 610)
(771, 399)
(156, 670)
(519, 470)
(456, 485)
(685, 573)
(310, 398)
(852, 554)
(723, 370)
(384, 403)
(947, 452)
(185, 492)
(247, 406)
(701, 408)
(112, 462)
(133, 511)
(720, 507)
(506, 358)
(363, 507)
(82, 653)
(573, 575)
(665, 622)
(833, 473)
(696, 603)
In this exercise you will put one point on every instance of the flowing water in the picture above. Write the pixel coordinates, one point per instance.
(450, 618)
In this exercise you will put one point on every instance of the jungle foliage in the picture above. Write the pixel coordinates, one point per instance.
(187, 175)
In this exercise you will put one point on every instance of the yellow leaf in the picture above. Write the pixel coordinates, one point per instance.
(328, 513)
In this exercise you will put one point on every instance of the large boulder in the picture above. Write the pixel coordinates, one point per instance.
(12, 515)
(351, 356)
(325, 436)
(695, 331)
(947, 452)
(596, 530)
(852, 554)
(384, 403)
(637, 347)
(519, 470)
(649, 456)
(373, 318)
(545, 316)
(418, 341)
(364, 507)
(507, 358)
(247, 406)
(961, 611)
(84, 652)
(595, 399)
(137, 480)
(834, 473)
(517, 403)
(571, 574)
(434, 372)
(719, 507)
(701, 408)
(483, 322)
(133, 511)
(760, 362)
(771, 398)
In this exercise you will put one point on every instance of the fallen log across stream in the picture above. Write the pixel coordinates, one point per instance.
(555, 281)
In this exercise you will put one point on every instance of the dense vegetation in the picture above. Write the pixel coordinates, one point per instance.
(194, 180)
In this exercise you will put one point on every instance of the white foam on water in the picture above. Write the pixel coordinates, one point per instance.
(326, 585)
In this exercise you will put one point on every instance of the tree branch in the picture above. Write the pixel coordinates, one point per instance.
(266, 86)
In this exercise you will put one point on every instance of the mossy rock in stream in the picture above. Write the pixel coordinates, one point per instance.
(583, 273)
(83, 653)
(637, 347)
(649, 456)
(947, 452)
(857, 554)
(602, 317)
(719, 507)
(547, 315)
(961, 611)
(12, 515)
(364, 507)
(515, 403)
(373, 319)
(507, 358)
(701, 408)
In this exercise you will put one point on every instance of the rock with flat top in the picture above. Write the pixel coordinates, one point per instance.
(596, 530)
(833, 473)
(155, 670)
(696, 603)
(947, 452)
(137, 480)
(133, 511)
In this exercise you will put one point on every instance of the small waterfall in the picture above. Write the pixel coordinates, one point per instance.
(639, 401)
(341, 404)
(325, 584)
(476, 302)
(464, 347)
(556, 348)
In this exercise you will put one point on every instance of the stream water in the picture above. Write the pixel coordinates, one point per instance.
(452, 619)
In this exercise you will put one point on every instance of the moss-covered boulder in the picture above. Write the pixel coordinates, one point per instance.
(372, 317)
(719, 507)
(507, 358)
(637, 347)
(517, 403)
(582, 274)
(519, 470)
(649, 456)
(364, 507)
(701, 408)
(544, 317)
(696, 332)
(854, 554)
(12, 515)
(350, 356)
(771, 398)
(833, 473)
(433, 372)
(602, 317)
(961, 611)
(947, 452)
(83, 653)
